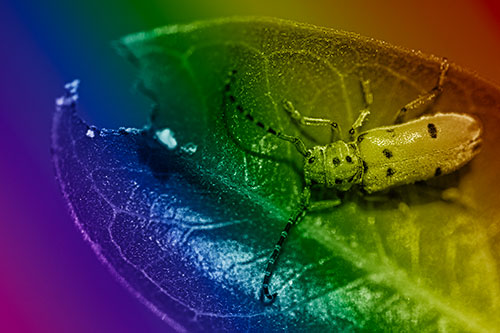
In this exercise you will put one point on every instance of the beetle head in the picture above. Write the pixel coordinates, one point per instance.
(336, 165)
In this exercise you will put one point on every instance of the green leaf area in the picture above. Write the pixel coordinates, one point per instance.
(421, 257)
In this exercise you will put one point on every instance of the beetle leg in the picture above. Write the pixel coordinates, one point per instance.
(308, 121)
(419, 105)
(266, 297)
(359, 122)
(368, 100)
(324, 204)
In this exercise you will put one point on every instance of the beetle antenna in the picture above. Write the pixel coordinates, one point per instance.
(229, 97)
(265, 295)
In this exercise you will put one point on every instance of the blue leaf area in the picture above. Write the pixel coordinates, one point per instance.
(193, 251)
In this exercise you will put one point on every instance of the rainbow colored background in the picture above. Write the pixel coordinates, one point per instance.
(50, 280)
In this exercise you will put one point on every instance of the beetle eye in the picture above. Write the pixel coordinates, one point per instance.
(311, 160)
(336, 161)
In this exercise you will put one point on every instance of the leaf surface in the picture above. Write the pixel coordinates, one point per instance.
(189, 230)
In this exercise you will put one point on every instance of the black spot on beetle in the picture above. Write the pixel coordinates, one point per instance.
(261, 125)
(348, 159)
(249, 117)
(403, 109)
(390, 172)
(387, 153)
(336, 161)
(311, 160)
(338, 181)
(431, 128)
(239, 108)
(438, 172)
(232, 98)
(270, 130)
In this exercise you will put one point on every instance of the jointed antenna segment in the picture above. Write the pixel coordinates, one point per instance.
(230, 98)
(265, 296)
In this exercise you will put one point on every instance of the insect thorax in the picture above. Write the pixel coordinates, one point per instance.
(336, 165)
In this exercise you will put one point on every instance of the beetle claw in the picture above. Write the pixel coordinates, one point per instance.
(267, 299)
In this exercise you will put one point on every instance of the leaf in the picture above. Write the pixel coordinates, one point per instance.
(189, 230)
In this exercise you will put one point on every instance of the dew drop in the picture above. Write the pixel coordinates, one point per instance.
(189, 148)
(166, 136)
(71, 95)
(60, 101)
(90, 133)
(72, 87)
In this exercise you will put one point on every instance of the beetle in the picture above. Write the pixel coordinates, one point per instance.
(376, 159)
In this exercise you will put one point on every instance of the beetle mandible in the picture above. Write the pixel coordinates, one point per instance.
(376, 159)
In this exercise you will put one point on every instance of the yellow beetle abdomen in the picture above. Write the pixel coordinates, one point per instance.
(417, 150)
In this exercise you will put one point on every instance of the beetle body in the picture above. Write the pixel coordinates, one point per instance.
(377, 159)
(396, 155)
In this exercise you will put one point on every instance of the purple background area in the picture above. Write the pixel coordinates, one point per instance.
(50, 280)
